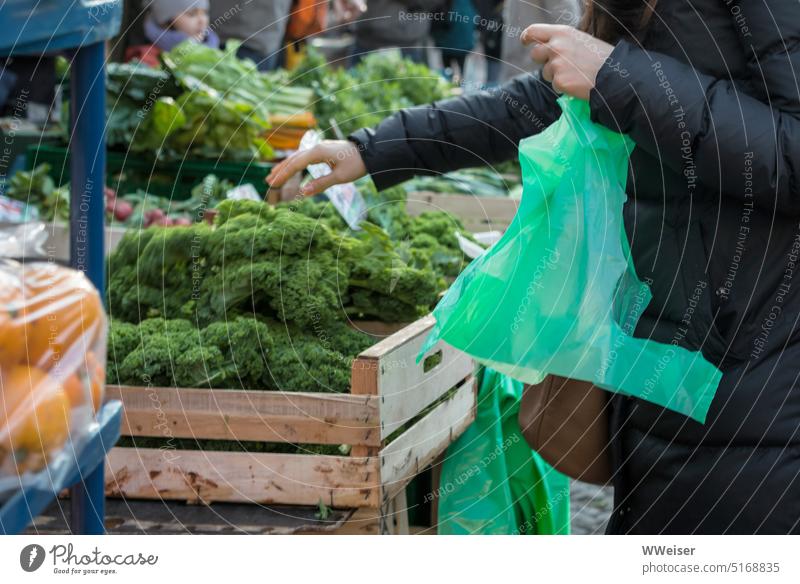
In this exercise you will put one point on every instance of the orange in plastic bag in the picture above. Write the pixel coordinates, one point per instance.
(70, 322)
(52, 367)
(62, 313)
(93, 376)
(35, 417)
(12, 350)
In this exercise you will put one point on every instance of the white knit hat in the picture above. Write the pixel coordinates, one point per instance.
(165, 11)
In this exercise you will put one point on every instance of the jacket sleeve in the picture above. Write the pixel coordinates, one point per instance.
(472, 130)
(707, 129)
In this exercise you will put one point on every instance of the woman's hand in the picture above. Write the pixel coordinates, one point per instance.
(571, 58)
(341, 155)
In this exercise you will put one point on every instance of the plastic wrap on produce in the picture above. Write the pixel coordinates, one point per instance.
(23, 240)
(52, 371)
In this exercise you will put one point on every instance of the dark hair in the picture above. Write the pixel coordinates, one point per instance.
(611, 20)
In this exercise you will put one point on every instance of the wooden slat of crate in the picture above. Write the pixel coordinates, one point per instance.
(376, 328)
(175, 517)
(477, 213)
(338, 481)
(265, 416)
(415, 449)
(363, 521)
(242, 477)
(390, 369)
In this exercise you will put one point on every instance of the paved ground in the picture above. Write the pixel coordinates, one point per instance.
(590, 508)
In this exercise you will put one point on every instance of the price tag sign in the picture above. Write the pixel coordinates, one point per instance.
(244, 192)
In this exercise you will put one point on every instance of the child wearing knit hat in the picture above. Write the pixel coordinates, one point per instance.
(169, 23)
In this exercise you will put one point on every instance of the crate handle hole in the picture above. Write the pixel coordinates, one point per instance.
(432, 361)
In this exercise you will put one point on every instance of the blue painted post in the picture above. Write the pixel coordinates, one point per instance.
(87, 224)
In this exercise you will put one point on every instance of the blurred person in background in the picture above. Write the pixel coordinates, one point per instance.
(516, 57)
(454, 34)
(259, 24)
(348, 10)
(404, 24)
(28, 88)
(491, 28)
(168, 23)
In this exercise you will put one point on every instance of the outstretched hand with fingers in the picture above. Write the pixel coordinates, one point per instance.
(341, 155)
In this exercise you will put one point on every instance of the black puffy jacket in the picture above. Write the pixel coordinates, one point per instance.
(711, 97)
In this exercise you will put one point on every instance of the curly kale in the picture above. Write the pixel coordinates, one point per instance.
(280, 263)
(157, 272)
(241, 353)
(439, 225)
(309, 291)
(434, 234)
(283, 267)
(426, 250)
(172, 353)
(123, 338)
(230, 208)
(177, 353)
(378, 268)
(387, 210)
(427, 241)
(154, 360)
(245, 344)
(322, 211)
(319, 359)
(366, 304)
(252, 235)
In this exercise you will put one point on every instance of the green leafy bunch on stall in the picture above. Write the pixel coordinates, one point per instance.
(290, 277)
(379, 85)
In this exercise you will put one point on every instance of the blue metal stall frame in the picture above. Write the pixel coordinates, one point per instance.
(81, 27)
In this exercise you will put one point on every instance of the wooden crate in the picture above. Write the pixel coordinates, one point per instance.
(477, 213)
(389, 392)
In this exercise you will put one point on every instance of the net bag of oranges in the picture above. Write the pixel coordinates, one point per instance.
(52, 370)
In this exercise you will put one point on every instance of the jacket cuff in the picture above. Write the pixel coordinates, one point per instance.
(612, 99)
(390, 166)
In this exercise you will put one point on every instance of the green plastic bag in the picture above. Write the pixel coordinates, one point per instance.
(558, 293)
(492, 483)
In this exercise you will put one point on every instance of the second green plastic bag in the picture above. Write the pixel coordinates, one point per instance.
(558, 293)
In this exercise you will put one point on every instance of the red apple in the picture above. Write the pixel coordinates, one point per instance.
(123, 210)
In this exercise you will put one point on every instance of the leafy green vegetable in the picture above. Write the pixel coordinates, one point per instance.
(425, 242)
(481, 182)
(205, 103)
(198, 67)
(244, 352)
(273, 262)
(219, 127)
(132, 92)
(323, 511)
(165, 118)
(37, 188)
(378, 86)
